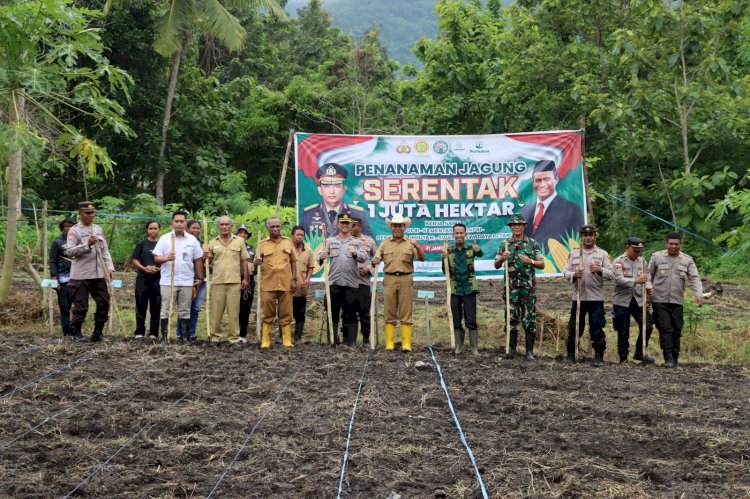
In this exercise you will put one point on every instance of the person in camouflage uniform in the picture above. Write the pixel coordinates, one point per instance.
(464, 288)
(524, 256)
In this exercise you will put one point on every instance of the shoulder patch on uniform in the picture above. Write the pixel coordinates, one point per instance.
(311, 207)
(353, 207)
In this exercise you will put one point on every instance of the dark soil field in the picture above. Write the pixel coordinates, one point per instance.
(128, 419)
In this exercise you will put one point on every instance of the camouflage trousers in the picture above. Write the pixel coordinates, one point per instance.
(522, 310)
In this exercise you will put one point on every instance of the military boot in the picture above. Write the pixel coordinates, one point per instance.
(351, 335)
(406, 337)
(299, 326)
(598, 358)
(511, 353)
(98, 334)
(669, 359)
(530, 346)
(164, 324)
(458, 334)
(473, 341)
(390, 336)
(676, 357)
(77, 336)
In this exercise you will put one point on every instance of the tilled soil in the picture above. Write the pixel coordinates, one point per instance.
(138, 420)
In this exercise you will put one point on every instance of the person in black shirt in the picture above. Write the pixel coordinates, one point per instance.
(246, 297)
(59, 268)
(147, 291)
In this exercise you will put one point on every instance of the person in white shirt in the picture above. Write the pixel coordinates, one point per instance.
(186, 261)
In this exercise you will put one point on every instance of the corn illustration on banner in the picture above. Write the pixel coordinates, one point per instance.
(438, 181)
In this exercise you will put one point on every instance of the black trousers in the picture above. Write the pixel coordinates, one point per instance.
(464, 307)
(299, 306)
(97, 289)
(65, 301)
(246, 305)
(669, 321)
(362, 307)
(343, 299)
(621, 321)
(597, 320)
(147, 297)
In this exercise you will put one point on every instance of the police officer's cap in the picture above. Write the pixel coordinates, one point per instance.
(356, 220)
(67, 221)
(344, 218)
(517, 218)
(587, 229)
(636, 243)
(545, 165)
(331, 173)
(86, 206)
(243, 227)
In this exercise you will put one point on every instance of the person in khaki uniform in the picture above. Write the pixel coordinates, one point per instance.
(397, 254)
(278, 264)
(228, 255)
(670, 271)
(305, 266)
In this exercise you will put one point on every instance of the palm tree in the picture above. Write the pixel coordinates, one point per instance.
(178, 22)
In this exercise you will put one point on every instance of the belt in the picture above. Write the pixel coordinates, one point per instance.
(397, 273)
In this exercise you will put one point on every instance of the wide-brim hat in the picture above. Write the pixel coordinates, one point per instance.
(398, 219)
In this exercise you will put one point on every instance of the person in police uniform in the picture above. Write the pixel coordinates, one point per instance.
(670, 271)
(87, 277)
(345, 252)
(364, 293)
(589, 279)
(630, 276)
(330, 178)
(398, 254)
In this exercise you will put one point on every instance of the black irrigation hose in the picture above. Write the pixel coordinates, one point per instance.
(145, 427)
(27, 351)
(263, 416)
(99, 393)
(351, 426)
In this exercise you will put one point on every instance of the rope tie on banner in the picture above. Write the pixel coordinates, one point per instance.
(351, 426)
(99, 393)
(257, 425)
(458, 425)
(104, 465)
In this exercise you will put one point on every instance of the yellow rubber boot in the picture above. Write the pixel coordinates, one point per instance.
(265, 340)
(286, 335)
(390, 336)
(406, 337)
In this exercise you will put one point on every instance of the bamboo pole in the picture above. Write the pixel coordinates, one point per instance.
(207, 280)
(326, 268)
(259, 304)
(283, 171)
(112, 298)
(578, 304)
(451, 329)
(644, 306)
(171, 296)
(45, 256)
(373, 309)
(507, 305)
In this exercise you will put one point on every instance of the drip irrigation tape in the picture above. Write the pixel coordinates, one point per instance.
(257, 425)
(27, 351)
(33, 382)
(351, 425)
(458, 425)
(99, 393)
(143, 428)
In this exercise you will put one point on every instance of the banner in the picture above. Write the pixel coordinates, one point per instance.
(438, 181)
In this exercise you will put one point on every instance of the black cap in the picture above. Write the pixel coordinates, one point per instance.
(86, 206)
(344, 218)
(587, 229)
(331, 173)
(636, 243)
(68, 220)
(356, 220)
(545, 165)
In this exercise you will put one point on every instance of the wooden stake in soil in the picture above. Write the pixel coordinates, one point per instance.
(259, 305)
(448, 296)
(283, 171)
(644, 306)
(45, 273)
(578, 303)
(171, 296)
(507, 305)
(326, 268)
(541, 334)
(207, 280)
(373, 309)
(112, 298)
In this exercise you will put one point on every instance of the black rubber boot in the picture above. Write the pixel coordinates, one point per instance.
(98, 334)
(676, 357)
(511, 353)
(598, 358)
(458, 335)
(669, 359)
(164, 323)
(299, 327)
(185, 326)
(474, 341)
(77, 336)
(530, 346)
(350, 333)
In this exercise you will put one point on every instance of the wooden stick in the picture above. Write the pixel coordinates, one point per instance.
(643, 312)
(326, 268)
(45, 274)
(283, 171)
(207, 280)
(578, 302)
(112, 298)
(451, 329)
(507, 304)
(541, 334)
(259, 304)
(171, 295)
(373, 309)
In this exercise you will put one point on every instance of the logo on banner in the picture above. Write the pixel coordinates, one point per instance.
(458, 146)
(440, 147)
(479, 148)
(422, 147)
(403, 148)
